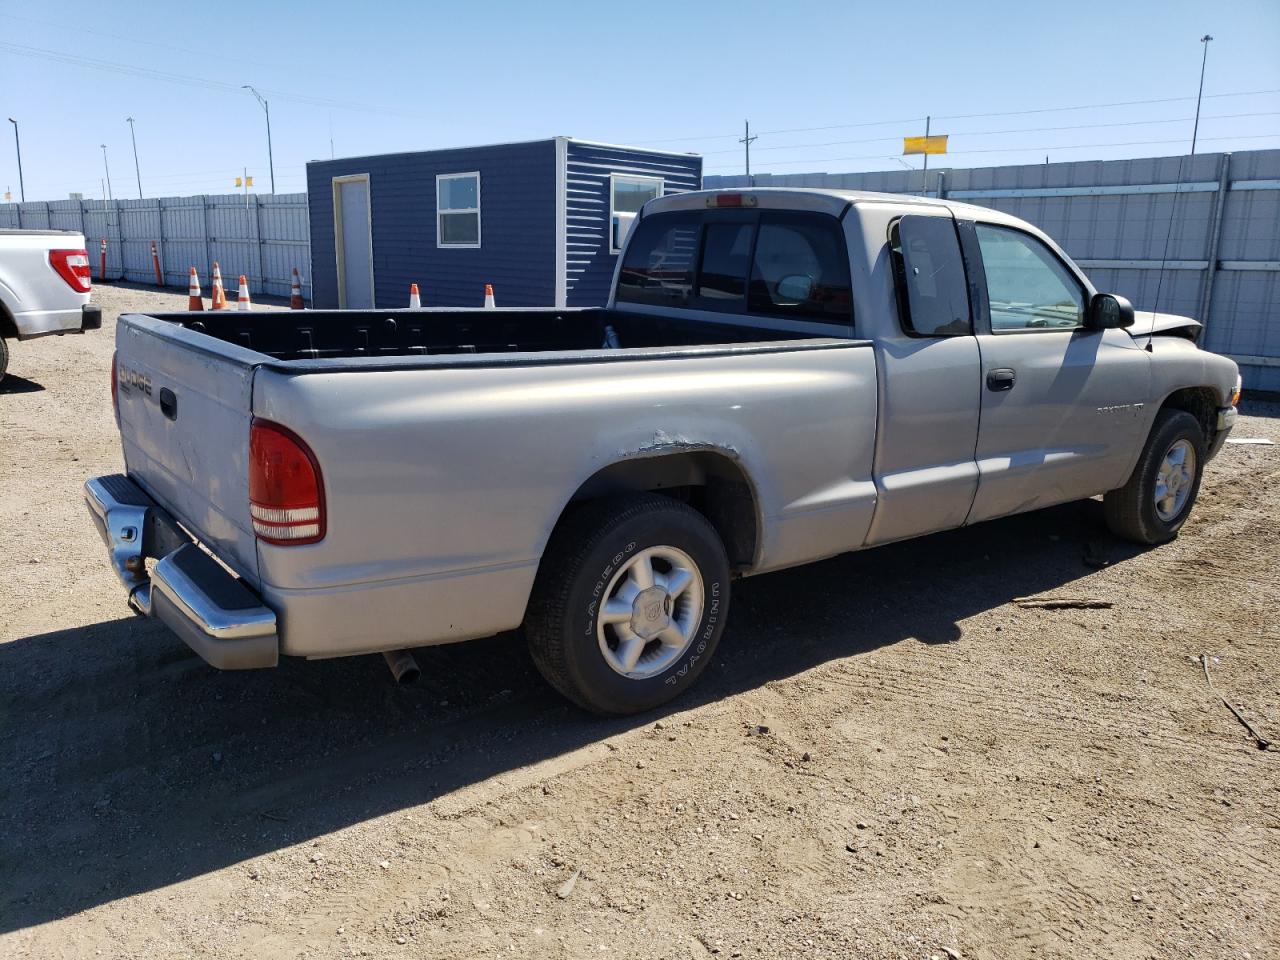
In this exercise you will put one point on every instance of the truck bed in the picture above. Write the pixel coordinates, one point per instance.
(349, 334)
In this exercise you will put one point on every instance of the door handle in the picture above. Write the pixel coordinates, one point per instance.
(1001, 379)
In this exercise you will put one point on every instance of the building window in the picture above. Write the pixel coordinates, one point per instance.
(626, 196)
(458, 210)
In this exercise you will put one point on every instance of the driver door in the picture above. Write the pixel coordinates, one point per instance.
(1061, 404)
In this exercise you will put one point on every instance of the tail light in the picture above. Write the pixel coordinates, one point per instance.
(286, 491)
(73, 267)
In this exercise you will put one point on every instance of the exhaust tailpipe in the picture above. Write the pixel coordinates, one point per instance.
(403, 667)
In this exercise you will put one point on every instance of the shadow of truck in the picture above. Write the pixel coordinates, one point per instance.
(132, 765)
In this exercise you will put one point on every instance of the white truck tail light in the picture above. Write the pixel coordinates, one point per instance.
(73, 267)
(286, 491)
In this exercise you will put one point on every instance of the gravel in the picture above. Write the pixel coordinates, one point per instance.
(1095, 798)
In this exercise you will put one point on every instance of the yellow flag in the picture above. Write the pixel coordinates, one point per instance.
(935, 144)
(239, 182)
(248, 181)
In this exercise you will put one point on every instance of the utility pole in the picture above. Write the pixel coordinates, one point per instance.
(746, 141)
(135, 156)
(924, 177)
(271, 164)
(1203, 60)
(22, 188)
(107, 169)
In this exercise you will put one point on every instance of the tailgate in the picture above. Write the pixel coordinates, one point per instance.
(185, 409)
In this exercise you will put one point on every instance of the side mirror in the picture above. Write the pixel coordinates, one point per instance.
(796, 288)
(1108, 311)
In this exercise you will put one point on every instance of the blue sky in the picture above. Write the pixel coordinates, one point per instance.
(677, 75)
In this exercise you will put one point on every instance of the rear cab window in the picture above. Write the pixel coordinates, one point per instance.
(771, 263)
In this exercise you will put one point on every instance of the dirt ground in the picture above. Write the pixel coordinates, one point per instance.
(944, 773)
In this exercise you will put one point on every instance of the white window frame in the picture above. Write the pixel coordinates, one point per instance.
(633, 178)
(440, 244)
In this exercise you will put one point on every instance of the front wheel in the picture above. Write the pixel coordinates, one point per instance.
(1152, 507)
(629, 604)
(4, 357)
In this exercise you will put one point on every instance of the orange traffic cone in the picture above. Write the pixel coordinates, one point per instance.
(218, 296)
(415, 301)
(242, 298)
(193, 292)
(488, 296)
(295, 293)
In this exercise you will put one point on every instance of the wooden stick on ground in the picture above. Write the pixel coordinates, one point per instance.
(1262, 742)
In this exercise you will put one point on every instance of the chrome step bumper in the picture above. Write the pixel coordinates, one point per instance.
(187, 590)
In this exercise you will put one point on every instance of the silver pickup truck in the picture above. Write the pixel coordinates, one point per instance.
(779, 376)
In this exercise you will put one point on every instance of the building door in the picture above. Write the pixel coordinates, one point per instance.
(353, 234)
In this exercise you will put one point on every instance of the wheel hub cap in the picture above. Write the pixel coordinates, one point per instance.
(1174, 480)
(650, 612)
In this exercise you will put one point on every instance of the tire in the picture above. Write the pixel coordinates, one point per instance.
(1132, 511)
(599, 554)
(4, 358)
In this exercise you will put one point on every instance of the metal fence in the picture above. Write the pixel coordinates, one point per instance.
(1220, 213)
(262, 237)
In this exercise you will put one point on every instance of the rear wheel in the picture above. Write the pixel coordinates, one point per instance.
(1158, 498)
(629, 603)
(4, 357)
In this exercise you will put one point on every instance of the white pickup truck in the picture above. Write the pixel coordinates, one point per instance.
(779, 376)
(44, 287)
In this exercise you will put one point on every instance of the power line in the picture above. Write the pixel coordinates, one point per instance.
(992, 133)
(149, 73)
(1055, 147)
(964, 116)
(124, 38)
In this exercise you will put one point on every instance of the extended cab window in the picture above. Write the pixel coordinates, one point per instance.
(1028, 286)
(933, 294)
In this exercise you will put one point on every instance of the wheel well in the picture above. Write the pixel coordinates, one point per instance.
(710, 482)
(1200, 402)
(8, 329)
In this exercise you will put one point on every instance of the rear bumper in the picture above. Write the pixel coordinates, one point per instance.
(45, 323)
(213, 612)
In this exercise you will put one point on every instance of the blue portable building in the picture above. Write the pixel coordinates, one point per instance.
(539, 220)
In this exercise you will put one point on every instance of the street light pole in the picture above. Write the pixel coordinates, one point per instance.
(1203, 60)
(266, 107)
(107, 169)
(136, 169)
(22, 189)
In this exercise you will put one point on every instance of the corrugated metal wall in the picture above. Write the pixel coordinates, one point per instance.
(263, 237)
(589, 264)
(517, 226)
(1113, 217)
